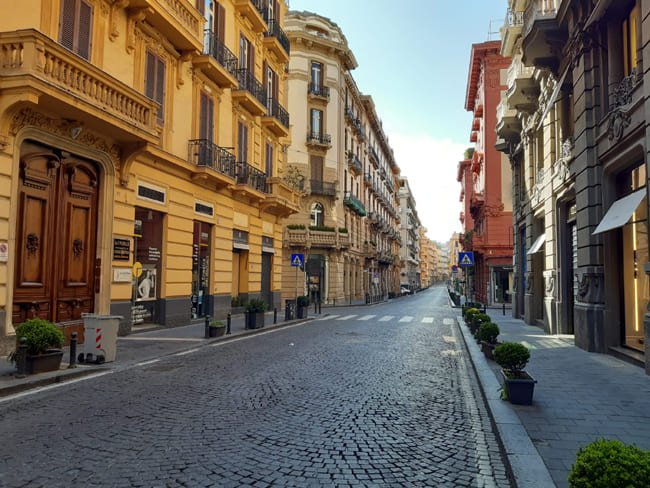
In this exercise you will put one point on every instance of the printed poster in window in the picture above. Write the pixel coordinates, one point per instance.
(146, 286)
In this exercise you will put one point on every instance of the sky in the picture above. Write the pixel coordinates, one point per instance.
(413, 60)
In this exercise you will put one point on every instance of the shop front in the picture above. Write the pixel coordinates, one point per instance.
(146, 308)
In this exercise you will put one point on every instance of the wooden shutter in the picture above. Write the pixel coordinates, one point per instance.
(149, 75)
(206, 120)
(160, 87)
(220, 22)
(251, 58)
(243, 142)
(316, 163)
(269, 160)
(200, 6)
(276, 84)
(67, 23)
(84, 29)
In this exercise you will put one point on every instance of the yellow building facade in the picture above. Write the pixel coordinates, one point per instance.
(141, 144)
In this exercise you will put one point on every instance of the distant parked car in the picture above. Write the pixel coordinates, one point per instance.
(405, 290)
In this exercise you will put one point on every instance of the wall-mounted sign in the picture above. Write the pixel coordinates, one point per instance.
(122, 275)
(4, 251)
(121, 249)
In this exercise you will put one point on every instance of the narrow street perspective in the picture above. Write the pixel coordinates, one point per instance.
(370, 396)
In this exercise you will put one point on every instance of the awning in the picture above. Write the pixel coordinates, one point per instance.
(556, 92)
(537, 245)
(620, 211)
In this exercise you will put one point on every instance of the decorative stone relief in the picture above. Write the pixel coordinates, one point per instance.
(529, 282)
(590, 287)
(618, 121)
(549, 282)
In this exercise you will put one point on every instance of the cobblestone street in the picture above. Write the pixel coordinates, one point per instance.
(371, 396)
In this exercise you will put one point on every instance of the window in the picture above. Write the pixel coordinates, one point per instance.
(220, 22)
(242, 148)
(316, 77)
(269, 160)
(154, 82)
(206, 121)
(271, 83)
(246, 55)
(630, 45)
(75, 26)
(317, 214)
(316, 119)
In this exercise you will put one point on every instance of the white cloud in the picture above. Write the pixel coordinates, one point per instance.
(431, 167)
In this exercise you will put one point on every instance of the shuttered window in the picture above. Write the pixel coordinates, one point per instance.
(269, 160)
(206, 122)
(154, 83)
(242, 150)
(75, 26)
(220, 21)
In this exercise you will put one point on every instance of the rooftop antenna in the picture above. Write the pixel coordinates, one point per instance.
(493, 30)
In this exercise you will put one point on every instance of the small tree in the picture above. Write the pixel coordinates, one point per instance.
(512, 357)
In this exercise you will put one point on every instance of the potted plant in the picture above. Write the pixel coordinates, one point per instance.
(255, 313)
(519, 385)
(487, 335)
(605, 463)
(44, 341)
(216, 329)
(469, 315)
(303, 306)
(477, 320)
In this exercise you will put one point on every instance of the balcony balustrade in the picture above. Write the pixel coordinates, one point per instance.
(311, 238)
(281, 198)
(217, 61)
(355, 164)
(177, 21)
(247, 175)
(254, 11)
(367, 179)
(319, 187)
(277, 41)
(276, 119)
(203, 152)
(67, 83)
(352, 201)
(541, 34)
(319, 91)
(319, 140)
(374, 157)
(250, 92)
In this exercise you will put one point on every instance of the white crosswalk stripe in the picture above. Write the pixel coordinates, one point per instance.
(448, 321)
(347, 317)
(367, 317)
(406, 318)
(328, 317)
(386, 318)
(427, 320)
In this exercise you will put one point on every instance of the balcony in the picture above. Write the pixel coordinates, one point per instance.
(276, 119)
(320, 92)
(542, 36)
(369, 250)
(326, 188)
(367, 180)
(373, 217)
(523, 89)
(176, 20)
(276, 41)
(508, 124)
(248, 177)
(355, 164)
(254, 12)
(353, 203)
(217, 61)
(250, 93)
(213, 163)
(34, 68)
(281, 199)
(374, 158)
(319, 141)
(510, 31)
(311, 238)
(385, 257)
(349, 114)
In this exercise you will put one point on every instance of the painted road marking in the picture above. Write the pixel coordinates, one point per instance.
(347, 317)
(329, 317)
(386, 318)
(367, 317)
(448, 321)
(427, 320)
(406, 318)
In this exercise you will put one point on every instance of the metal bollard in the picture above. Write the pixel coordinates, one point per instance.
(315, 307)
(246, 319)
(21, 358)
(228, 325)
(504, 308)
(275, 315)
(319, 305)
(73, 351)
(207, 326)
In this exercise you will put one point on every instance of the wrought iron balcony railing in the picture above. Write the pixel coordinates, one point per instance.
(319, 91)
(274, 109)
(355, 162)
(218, 50)
(323, 187)
(203, 152)
(276, 31)
(250, 176)
(352, 201)
(248, 82)
(317, 138)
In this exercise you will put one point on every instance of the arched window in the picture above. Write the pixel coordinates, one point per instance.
(317, 214)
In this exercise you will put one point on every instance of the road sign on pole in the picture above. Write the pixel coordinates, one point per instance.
(297, 260)
(465, 259)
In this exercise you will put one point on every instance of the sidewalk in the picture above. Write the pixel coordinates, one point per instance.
(579, 397)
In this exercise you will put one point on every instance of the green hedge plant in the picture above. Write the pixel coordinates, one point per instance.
(256, 305)
(610, 463)
(488, 332)
(303, 301)
(41, 335)
(512, 357)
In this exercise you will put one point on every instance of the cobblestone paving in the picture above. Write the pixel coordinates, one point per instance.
(331, 403)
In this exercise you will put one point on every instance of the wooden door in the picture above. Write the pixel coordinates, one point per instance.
(56, 238)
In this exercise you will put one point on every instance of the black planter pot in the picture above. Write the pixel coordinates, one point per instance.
(488, 349)
(255, 320)
(519, 390)
(303, 312)
(217, 331)
(42, 363)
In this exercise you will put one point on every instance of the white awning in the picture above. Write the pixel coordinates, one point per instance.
(552, 100)
(537, 245)
(241, 246)
(620, 211)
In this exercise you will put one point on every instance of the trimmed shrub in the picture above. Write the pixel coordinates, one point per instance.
(41, 335)
(488, 332)
(256, 305)
(610, 463)
(512, 357)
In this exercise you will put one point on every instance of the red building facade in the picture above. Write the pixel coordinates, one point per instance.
(487, 182)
